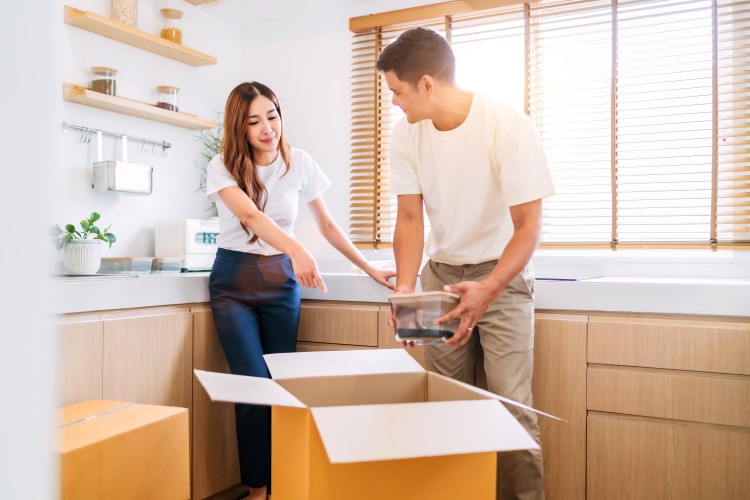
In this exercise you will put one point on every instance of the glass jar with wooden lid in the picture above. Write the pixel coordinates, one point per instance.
(168, 97)
(103, 79)
(172, 27)
(125, 12)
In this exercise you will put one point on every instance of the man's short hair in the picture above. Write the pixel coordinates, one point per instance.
(418, 52)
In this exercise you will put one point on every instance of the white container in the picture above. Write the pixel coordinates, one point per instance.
(415, 315)
(191, 240)
(118, 176)
(121, 176)
(126, 265)
(166, 265)
(83, 256)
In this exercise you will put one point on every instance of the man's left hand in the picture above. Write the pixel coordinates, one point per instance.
(476, 297)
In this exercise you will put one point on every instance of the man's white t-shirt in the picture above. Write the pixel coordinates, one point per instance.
(305, 179)
(469, 176)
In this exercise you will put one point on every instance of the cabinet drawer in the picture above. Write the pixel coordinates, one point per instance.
(635, 459)
(339, 324)
(696, 345)
(316, 346)
(690, 396)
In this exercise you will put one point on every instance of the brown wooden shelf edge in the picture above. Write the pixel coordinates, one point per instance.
(105, 26)
(83, 95)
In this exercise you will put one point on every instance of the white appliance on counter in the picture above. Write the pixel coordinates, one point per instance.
(192, 240)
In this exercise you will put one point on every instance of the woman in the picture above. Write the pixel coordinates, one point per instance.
(257, 182)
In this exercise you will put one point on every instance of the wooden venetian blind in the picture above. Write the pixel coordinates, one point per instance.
(642, 106)
(730, 219)
(372, 209)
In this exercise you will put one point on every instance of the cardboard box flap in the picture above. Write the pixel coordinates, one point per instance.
(412, 430)
(492, 395)
(338, 363)
(241, 389)
(86, 410)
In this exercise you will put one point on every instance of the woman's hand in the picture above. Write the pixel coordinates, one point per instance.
(306, 269)
(381, 275)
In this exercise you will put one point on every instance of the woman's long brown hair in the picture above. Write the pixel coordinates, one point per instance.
(239, 158)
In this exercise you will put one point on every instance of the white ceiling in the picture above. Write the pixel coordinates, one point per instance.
(245, 12)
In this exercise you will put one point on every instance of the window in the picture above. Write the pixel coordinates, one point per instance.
(642, 107)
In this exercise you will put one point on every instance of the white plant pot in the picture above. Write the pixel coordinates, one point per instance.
(83, 256)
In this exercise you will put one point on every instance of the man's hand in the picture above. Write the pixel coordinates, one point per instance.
(391, 320)
(476, 297)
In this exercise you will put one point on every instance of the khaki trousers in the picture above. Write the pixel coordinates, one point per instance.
(505, 335)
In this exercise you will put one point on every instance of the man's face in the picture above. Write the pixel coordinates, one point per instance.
(412, 100)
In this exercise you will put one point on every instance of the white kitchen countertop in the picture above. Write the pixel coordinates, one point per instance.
(703, 296)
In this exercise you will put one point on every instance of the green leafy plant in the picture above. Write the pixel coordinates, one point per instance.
(211, 140)
(89, 230)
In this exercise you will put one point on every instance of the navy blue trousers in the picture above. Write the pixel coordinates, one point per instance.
(255, 301)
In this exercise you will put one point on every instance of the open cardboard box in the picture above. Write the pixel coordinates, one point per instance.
(370, 424)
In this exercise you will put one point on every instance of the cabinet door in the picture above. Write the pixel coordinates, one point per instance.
(79, 362)
(631, 458)
(216, 465)
(559, 388)
(148, 356)
(387, 338)
(350, 324)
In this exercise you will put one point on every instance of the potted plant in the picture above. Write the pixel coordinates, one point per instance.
(211, 140)
(83, 248)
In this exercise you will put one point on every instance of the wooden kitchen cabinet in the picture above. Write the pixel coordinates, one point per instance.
(657, 407)
(138, 355)
(559, 388)
(633, 458)
(148, 356)
(669, 408)
(215, 460)
(338, 323)
(78, 370)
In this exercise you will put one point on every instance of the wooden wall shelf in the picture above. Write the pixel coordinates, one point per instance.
(82, 95)
(105, 26)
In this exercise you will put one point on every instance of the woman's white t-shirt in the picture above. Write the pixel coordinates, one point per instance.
(305, 179)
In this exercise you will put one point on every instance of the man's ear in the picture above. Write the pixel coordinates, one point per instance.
(427, 83)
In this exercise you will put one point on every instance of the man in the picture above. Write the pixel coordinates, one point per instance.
(480, 171)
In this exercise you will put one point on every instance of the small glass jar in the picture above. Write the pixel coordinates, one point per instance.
(125, 12)
(103, 80)
(172, 27)
(168, 97)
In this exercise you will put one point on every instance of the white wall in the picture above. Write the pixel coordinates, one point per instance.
(203, 91)
(306, 59)
(27, 31)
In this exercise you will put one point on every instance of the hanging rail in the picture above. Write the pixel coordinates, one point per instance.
(86, 137)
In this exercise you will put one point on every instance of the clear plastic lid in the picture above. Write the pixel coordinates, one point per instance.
(421, 298)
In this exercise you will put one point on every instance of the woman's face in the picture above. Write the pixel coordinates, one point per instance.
(263, 130)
